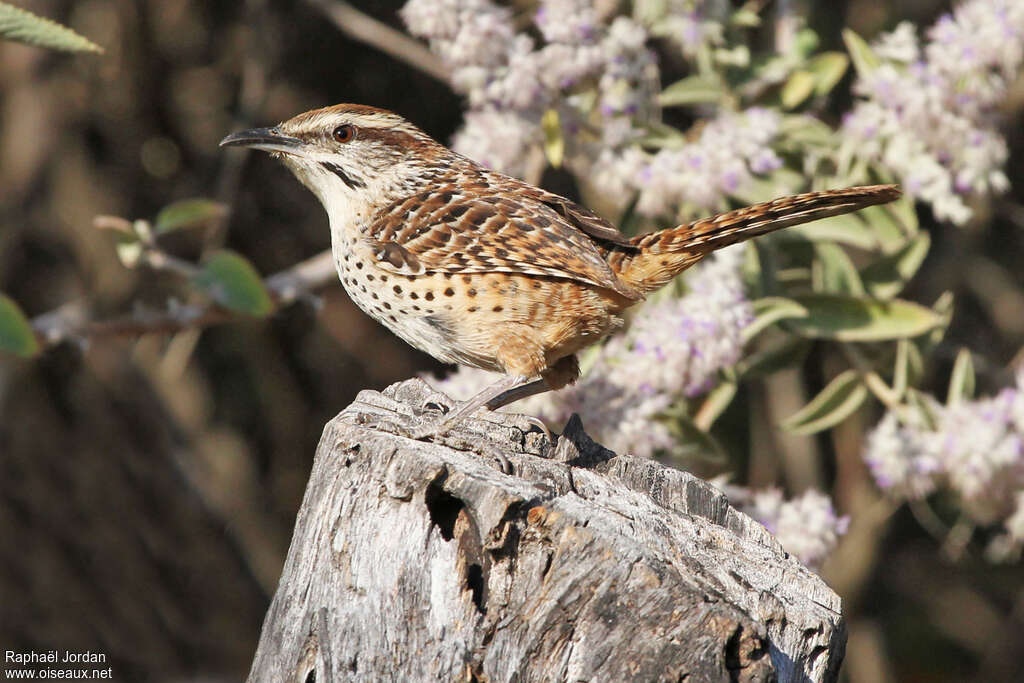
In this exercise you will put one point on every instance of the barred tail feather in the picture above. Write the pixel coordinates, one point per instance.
(663, 255)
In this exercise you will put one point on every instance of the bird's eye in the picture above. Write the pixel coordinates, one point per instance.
(344, 133)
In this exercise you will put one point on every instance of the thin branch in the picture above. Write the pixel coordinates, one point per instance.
(366, 29)
(72, 321)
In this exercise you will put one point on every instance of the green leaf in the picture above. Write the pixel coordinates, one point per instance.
(770, 310)
(715, 403)
(901, 371)
(16, 335)
(843, 395)
(847, 229)
(864, 58)
(834, 272)
(803, 130)
(779, 183)
(961, 383)
(24, 27)
(188, 213)
(904, 211)
(860, 319)
(886, 277)
(774, 358)
(694, 442)
(694, 89)
(234, 283)
(828, 69)
(661, 135)
(798, 88)
(554, 142)
(745, 18)
(890, 232)
(806, 42)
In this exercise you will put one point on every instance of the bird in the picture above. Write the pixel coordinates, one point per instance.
(478, 268)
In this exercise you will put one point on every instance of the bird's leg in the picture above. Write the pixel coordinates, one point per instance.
(537, 386)
(506, 385)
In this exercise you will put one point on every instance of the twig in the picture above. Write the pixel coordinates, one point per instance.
(72, 320)
(366, 29)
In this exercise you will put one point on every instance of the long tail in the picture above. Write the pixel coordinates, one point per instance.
(663, 255)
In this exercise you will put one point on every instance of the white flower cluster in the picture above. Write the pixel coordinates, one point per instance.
(673, 349)
(691, 24)
(731, 149)
(591, 65)
(928, 113)
(976, 448)
(807, 526)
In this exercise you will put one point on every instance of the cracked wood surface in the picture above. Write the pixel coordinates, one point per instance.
(426, 561)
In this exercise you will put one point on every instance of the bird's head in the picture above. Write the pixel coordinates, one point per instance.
(347, 153)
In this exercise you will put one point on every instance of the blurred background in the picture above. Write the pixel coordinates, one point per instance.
(148, 486)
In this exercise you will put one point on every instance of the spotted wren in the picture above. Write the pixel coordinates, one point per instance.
(481, 269)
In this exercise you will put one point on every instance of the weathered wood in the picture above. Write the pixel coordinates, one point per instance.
(425, 561)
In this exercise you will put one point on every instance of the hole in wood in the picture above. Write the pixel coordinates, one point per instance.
(475, 583)
(443, 508)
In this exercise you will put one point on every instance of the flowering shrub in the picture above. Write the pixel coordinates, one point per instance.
(578, 85)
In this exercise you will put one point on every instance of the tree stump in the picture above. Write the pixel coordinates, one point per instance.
(419, 561)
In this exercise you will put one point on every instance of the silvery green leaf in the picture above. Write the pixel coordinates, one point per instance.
(24, 27)
(834, 272)
(864, 58)
(961, 383)
(770, 310)
(833, 404)
(886, 277)
(861, 319)
(798, 87)
(696, 89)
(846, 229)
(828, 69)
(781, 355)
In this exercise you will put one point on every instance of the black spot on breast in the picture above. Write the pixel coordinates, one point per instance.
(370, 277)
(359, 265)
(429, 296)
(414, 295)
(498, 309)
(397, 289)
(387, 305)
(449, 292)
(471, 292)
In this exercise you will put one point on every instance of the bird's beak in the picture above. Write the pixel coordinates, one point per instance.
(266, 139)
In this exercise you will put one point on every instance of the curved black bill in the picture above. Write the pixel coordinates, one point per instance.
(267, 139)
